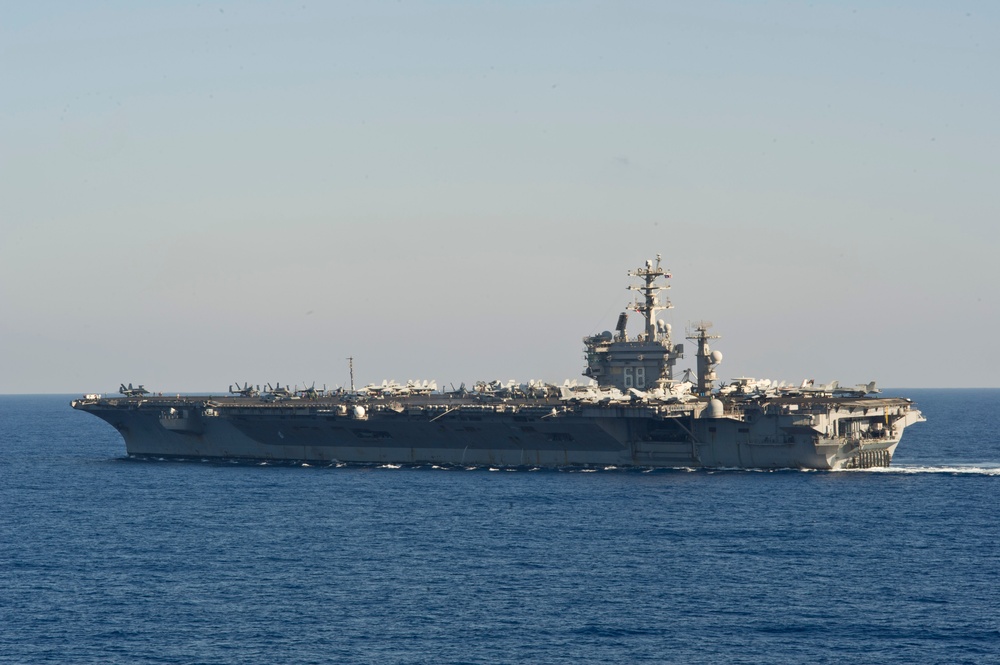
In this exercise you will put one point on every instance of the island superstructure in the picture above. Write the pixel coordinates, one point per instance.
(634, 413)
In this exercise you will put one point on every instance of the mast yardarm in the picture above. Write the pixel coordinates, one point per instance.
(650, 303)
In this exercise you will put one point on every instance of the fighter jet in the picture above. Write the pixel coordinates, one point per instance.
(277, 393)
(246, 391)
(311, 392)
(859, 390)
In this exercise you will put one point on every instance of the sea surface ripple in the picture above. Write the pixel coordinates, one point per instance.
(109, 560)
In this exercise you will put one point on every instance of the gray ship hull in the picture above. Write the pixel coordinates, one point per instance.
(804, 434)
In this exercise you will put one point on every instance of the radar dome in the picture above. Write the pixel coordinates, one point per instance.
(716, 357)
(714, 409)
(606, 336)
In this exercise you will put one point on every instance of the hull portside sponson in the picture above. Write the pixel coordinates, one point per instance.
(485, 441)
(395, 439)
(530, 435)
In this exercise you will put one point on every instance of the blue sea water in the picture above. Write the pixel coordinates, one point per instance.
(110, 560)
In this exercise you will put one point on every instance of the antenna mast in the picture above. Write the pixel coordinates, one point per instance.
(707, 359)
(650, 304)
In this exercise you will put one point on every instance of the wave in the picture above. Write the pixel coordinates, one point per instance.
(969, 469)
(982, 469)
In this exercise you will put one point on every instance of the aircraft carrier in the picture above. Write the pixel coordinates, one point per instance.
(632, 413)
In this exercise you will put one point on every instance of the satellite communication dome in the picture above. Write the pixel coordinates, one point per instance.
(716, 357)
(359, 411)
(714, 409)
(606, 336)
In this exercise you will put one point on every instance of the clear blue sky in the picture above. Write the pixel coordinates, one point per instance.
(193, 194)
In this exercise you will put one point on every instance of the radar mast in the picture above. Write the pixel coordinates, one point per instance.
(707, 359)
(650, 304)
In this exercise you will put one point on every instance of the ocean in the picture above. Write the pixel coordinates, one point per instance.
(109, 560)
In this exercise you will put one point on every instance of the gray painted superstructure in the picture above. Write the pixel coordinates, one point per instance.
(636, 414)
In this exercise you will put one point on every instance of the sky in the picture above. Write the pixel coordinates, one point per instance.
(194, 194)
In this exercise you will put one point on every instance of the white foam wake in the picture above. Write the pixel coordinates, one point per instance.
(983, 469)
